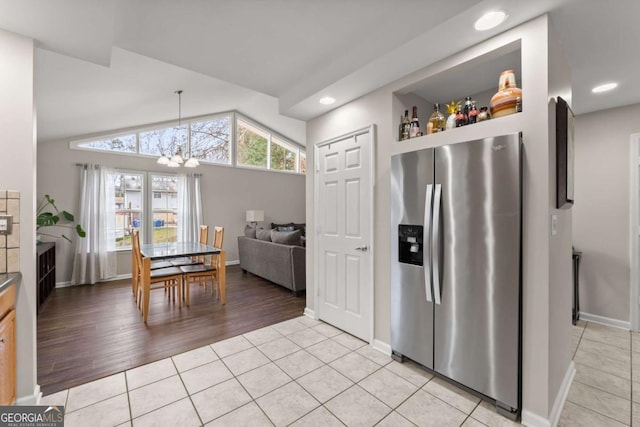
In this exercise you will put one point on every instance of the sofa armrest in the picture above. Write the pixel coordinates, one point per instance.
(299, 265)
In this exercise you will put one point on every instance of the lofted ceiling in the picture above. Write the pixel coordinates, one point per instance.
(110, 64)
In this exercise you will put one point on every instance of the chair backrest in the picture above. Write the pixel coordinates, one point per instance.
(218, 237)
(135, 249)
(204, 234)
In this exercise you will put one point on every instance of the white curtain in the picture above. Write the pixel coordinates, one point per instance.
(189, 207)
(95, 258)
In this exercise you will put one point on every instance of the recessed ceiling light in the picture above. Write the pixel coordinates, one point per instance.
(490, 20)
(327, 100)
(604, 87)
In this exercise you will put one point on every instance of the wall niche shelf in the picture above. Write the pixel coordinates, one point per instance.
(455, 78)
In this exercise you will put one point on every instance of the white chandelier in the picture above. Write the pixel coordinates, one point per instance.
(176, 160)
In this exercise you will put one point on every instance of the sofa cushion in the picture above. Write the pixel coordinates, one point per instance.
(286, 237)
(302, 228)
(263, 234)
(250, 232)
(287, 228)
(274, 225)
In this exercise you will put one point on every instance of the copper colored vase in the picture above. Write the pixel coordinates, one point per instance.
(503, 102)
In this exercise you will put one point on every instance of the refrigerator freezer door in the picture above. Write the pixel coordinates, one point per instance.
(476, 333)
(411, 313)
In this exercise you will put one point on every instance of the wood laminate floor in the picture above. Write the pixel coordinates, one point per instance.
(88, 332)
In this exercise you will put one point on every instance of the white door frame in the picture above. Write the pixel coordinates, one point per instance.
(316, 214)
(634, 233)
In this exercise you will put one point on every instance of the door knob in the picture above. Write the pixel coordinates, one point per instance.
(363, 248)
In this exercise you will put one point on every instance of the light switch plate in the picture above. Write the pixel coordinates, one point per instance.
(6, 224)
(554, 224)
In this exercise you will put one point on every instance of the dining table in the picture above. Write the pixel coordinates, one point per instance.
(167, 250)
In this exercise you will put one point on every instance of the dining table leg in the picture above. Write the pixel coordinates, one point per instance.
(223, 277)
(146, 287)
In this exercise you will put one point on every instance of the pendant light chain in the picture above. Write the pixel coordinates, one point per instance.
(177, 159)
(179, 92)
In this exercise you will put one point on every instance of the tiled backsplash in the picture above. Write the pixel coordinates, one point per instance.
(10, 245)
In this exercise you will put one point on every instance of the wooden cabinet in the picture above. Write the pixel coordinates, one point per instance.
(8, 346)
(46, 271)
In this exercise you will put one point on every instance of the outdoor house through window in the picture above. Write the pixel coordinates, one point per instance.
(229, 139)
(128, 195)
(130, 201)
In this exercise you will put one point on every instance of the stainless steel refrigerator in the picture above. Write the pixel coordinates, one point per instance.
(456, 264)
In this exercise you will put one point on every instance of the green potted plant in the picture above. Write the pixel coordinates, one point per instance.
(48, 215)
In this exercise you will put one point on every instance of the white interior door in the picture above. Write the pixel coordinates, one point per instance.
(344, 219)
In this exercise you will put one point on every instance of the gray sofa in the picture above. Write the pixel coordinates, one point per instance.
(284, 265)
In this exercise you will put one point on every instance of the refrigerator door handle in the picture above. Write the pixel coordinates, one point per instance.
(435, 242)
(425, 238)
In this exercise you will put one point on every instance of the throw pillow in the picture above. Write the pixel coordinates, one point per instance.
(263, 234)
(288, 228)
(250, 232)
(302, 228)
(286, 237)
(274, 225)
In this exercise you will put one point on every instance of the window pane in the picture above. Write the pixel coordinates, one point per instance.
(164, 141)
(303, 162)
(164, 206)
(210, 140)
(128, 208)
(252, 145)
(284, 157)
(125, 144)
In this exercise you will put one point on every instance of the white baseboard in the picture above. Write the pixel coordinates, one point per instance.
(534, 420)
(128, 276)
(310, 313)
(381, 346)
(32, 399)
(622, 324)
(118, 277)
(531, 419)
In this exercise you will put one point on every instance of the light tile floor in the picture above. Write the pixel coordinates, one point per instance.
(606, 388)
(306, 373)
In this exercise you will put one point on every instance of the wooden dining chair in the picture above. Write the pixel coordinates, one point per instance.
(162, 278)
(204, 237)
(209, 270)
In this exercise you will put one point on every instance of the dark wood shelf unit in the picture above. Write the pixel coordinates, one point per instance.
(46, 271)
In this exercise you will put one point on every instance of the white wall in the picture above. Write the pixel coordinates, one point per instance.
(543, 324)
(601, 210)
(226, 192)
(18, 172)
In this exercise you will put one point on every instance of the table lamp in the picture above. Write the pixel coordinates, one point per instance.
(253, 217)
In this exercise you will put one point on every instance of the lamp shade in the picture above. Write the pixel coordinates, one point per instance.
(255, 216)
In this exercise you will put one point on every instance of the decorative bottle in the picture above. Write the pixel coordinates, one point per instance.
(466, 109)
(503, 102)
(460, 119)
(414, 130)
(405, 125)
(483, 114)
(436, 121)
(451, 111)
(473, 113)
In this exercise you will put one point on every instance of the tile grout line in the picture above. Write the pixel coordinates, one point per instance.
(469, 415)
(126, 384)
(244, 388)
(187, 390)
